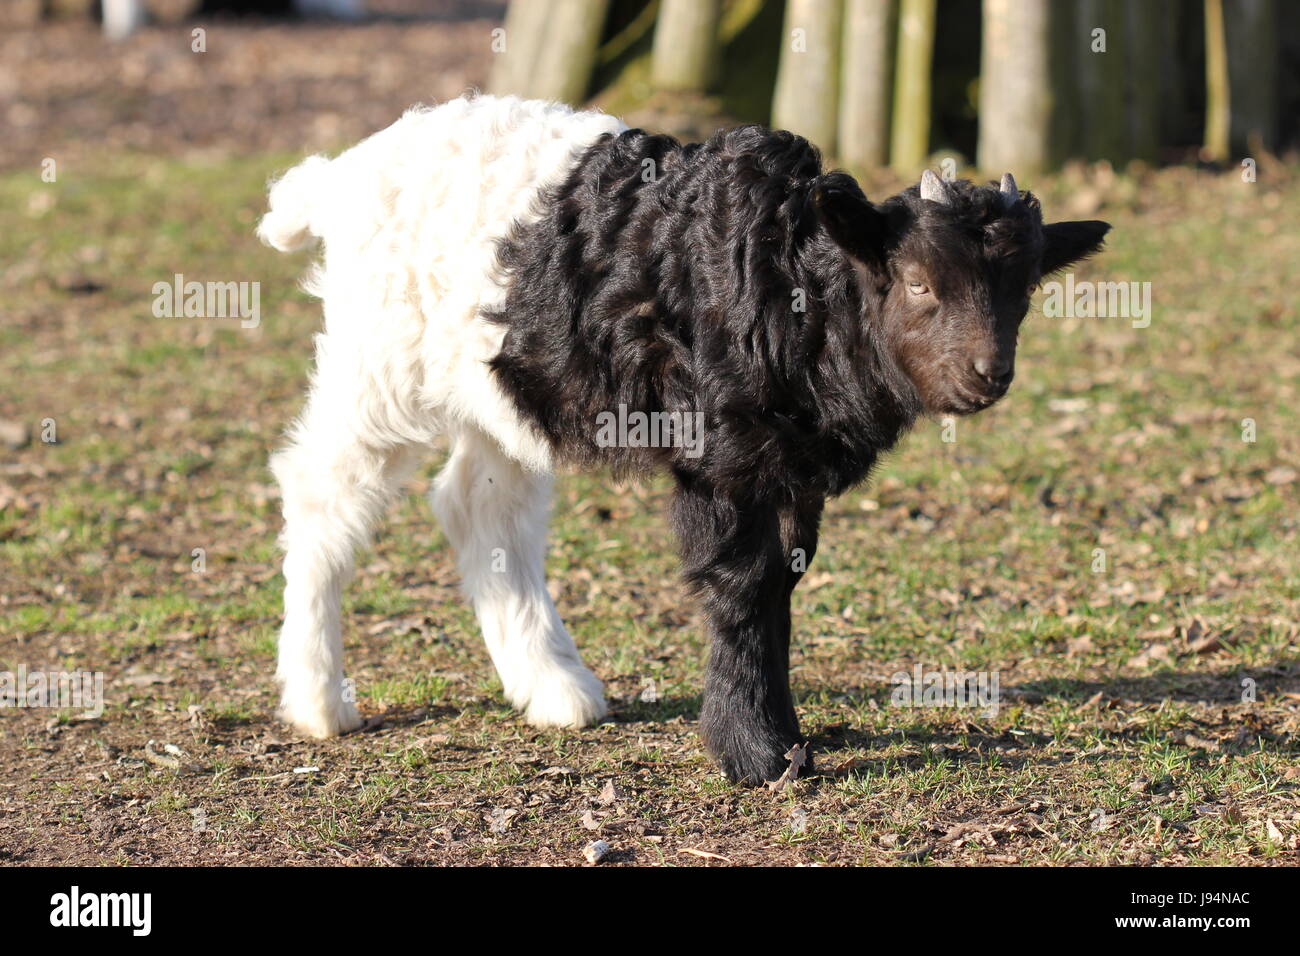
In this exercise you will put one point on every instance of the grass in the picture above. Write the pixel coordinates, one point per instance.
(1104, 540)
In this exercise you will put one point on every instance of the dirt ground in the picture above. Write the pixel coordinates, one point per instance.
(261, 86)
(1151, 704)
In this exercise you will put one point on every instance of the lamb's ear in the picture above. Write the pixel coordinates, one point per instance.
(857, 227)
(1068, 242)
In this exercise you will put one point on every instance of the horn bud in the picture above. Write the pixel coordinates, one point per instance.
(932, 189)
(1010, 193)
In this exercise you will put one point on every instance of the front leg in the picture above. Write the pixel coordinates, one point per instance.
(744, 558)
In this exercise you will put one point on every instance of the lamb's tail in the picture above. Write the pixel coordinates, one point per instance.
(296, 199)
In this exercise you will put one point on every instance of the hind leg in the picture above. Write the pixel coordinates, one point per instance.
(335, 484)
(495, 514)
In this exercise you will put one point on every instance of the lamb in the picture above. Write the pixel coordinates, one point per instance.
(510, 274)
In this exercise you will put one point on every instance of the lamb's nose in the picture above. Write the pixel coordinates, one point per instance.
(994, 370)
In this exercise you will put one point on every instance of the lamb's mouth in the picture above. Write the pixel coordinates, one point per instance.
(968, 403)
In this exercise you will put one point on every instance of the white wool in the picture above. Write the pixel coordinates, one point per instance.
(409, 220)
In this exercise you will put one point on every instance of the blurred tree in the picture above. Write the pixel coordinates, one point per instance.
(807, 78)
(954, 79)
(549, 49)
(245, 8)
(686, 44)
(867, 70)
(1066, 127)
(1145, 27)
(516, 53)
(1173, 69)
(1015, 89)
(1101, 76)
(1251, 36)
(1288, 75)
(1218, 112)
(122, 17)
(909, 140)
(871, 81)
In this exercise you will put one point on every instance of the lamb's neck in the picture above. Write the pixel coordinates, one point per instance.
(891, 404)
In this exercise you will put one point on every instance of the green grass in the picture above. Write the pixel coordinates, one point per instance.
(975, 554)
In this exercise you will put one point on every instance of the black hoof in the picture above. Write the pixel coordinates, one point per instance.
(753, 761)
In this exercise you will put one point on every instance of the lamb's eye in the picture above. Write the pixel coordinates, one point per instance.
(917, 288)
(1030, 290)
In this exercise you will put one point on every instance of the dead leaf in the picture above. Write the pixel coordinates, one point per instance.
(1200, 640)
(558, 772)
(609, 794)
(1155, 652)
(798, 756)
(1200, 743)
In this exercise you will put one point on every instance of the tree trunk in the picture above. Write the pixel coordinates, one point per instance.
(1217, 91)
(1252, 39)
(910, 132)
(1174, 74)
(550, 49)
(513, 64)
(807, 79)
(686, 44)
(1067, 49)
(1102, 80)
(1015, 89)
(122, 17)
(867, 71)
(1145, 28)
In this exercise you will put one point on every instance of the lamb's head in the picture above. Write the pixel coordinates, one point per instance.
(952, 266)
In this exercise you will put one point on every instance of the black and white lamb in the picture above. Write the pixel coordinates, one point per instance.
(547, 288)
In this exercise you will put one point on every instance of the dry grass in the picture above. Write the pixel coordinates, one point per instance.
(1123, 735)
